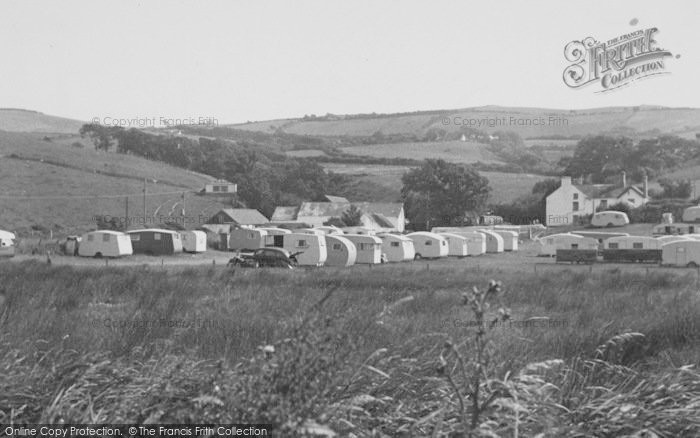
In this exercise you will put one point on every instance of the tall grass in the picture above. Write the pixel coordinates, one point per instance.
(353, 353)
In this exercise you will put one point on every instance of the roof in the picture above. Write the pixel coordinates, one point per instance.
(285, 213)
(381, 220)
(244, 216)
(115, 233)
(330, 198)
(593, 190)
(152, 230)
(336, 209)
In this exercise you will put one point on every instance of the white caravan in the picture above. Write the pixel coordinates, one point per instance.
(341, 251)
(610, 219)
(550, 244)
(456, 245)
(312, 248)
(494, 242)
(691, 214)
(429, 245)
(194, 241)
(369, 248)
(7, 244)
(245, 239)
(510, 239)
(397, 248)
(105, 243)
(632, 242)
(681, 253)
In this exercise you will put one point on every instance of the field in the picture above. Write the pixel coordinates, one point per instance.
(584, 354)
(454, 151)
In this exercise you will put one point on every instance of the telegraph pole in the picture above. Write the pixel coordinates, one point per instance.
(144, 200)
(126, 213)
(184, 206)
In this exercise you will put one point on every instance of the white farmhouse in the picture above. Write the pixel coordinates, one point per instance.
(571, 200)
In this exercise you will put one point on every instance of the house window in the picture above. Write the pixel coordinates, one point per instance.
(396, 244)
(630, 200)
(156, 236)
(613, 245)
(105, 237)
(604, 203)
(575, 195)
(637, 245)
(336, 247)
(224, 188)
(575, 206)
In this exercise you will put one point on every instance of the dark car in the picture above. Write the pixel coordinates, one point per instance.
(265, 257)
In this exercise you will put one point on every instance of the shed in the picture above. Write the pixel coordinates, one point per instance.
(238, 217)
(341, 251)
(397, 248)
(456, 245)
(681, 253)
(510, 239)
(494, 242)
(429, 245)
(312, 248)
(194, 240)
(105, 243)
(155, 241)
(369, 248)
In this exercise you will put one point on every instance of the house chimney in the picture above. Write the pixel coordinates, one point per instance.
(646, 186)
(624, 179)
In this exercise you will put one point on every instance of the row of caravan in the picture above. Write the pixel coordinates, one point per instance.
(108, 243)
(679, 250)
(331, 247)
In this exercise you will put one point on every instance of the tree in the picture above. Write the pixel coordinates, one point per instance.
(352, 217)
(600, 156)
(442, 193)
(676, 188)
(335, 222)
(101, 136)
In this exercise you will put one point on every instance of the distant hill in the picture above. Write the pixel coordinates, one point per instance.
(62, 183)
(527, 122)
(19, 120)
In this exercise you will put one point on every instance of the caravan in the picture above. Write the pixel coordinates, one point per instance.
(194, 241)
(7, 244)
(456, 245)
(105, 243)
(155, 241)
(550, 244)
(244, 239)
(610, 219)
(311, 248)
(397, 248)
(681, 253)
(494, 242)
(429, 245)
(369, 248)
(510, 239)
(341, 251)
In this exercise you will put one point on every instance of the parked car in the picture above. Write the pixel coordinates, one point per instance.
(265, 257)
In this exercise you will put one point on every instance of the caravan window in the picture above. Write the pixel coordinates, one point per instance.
(550, 241)
(574, 246)
(337, 247)
(135, 237)
(156, 236)
(251, 235)
(614, 245)
(91, 237)
(637, 245)
(105, 237)
(395, 244)
(428, 243)
(302, 243)
(444, 242)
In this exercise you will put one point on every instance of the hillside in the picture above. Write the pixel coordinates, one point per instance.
(566, 123)
(18, 120)
(59, 186)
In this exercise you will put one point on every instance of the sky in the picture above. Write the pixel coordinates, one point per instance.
(236, 61)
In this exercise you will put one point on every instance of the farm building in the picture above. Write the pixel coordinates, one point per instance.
(667, 229)
(610, 219)
(632, 242)
(155, 241)
(376, 216)
(692, 214)
(194, 241)
(341, 251)
(285, 214)
(681, 253)
(220, 187)
(456, 245)
(397, 248)
(571, 200)
(7, 244)
(105, 243)
(510, 239)
(494, 242)
(246, 239)
(369, 248)
(429, 245)
(550, 244)
(238, 217)
(312, 248)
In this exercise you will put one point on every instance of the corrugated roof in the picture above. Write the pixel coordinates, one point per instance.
(244, 216)
(336, 209)
(285, 213)
(330, 198)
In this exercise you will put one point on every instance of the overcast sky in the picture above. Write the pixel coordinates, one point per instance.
(258, 60)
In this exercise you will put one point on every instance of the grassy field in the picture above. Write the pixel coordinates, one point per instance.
(454, 151)
(31, 121)
(366, 354)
